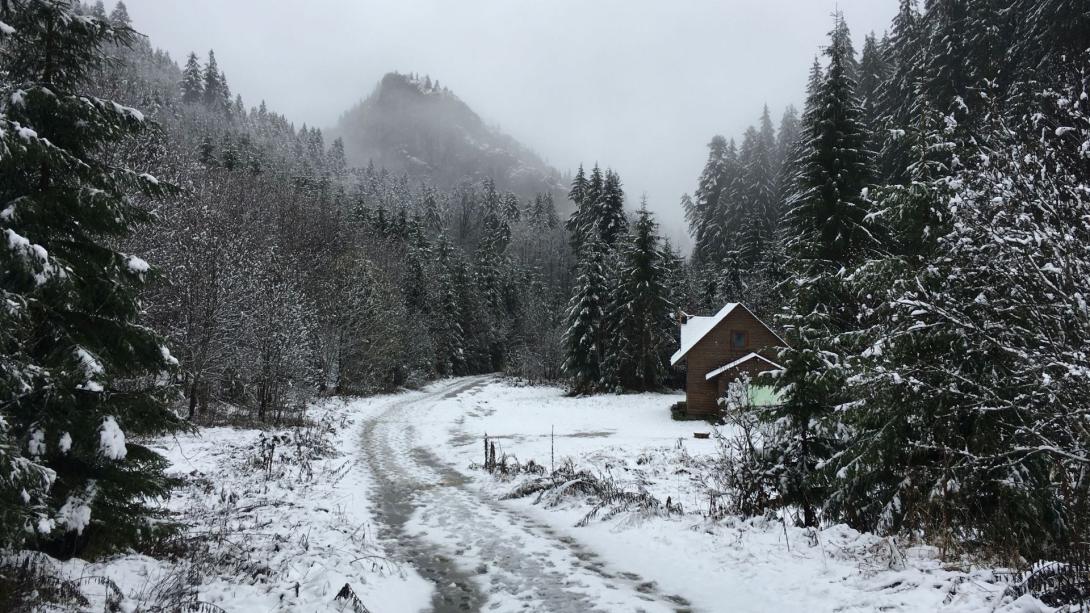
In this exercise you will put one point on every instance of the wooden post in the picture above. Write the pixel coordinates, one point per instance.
(552, 450)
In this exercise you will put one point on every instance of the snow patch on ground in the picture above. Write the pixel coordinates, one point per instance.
(286, 528)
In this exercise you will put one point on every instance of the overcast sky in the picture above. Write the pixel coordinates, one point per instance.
(637, 85)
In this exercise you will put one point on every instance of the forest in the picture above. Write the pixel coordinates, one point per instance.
(918, 230)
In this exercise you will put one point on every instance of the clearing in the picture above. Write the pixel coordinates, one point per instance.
(382, 503)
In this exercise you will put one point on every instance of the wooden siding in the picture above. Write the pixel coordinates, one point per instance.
(715, 350)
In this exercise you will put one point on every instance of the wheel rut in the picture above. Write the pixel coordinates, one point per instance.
(480, 554)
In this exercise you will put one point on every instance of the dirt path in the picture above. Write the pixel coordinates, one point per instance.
(481, 555)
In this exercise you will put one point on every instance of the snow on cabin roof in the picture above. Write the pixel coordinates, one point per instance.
(697, 328)
(742, 360)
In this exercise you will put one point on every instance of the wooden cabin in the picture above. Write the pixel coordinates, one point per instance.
(719, 349)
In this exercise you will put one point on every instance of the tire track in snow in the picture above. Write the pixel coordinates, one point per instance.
(479, 554)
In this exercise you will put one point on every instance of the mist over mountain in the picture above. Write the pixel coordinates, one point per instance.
(414, 126)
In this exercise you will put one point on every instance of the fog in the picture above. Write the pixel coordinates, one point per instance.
(639, 86)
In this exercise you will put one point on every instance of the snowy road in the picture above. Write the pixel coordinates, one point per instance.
(480, 554)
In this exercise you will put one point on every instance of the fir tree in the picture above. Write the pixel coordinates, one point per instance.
(584, 339)
(600, 211)
(1050, 35)
(446, 326)
(578, 188)
(787, 145)
(90, 373)
(119, 17)
(710, 220)
(213, 83)
(828, 238)
(609, 215)
(192, 81)
(759, 214)
(639, 314)
(904, 56)
(966, 431)
(873, 75)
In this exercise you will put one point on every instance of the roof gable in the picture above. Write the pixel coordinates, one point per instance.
(696, 328)
(742, 360)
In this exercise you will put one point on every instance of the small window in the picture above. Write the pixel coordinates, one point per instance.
(739, 339)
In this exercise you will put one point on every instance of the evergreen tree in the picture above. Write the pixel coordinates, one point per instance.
(1050, 34)
(759, 214)
(119, 17)
(639, 314)
(609, 215)
(600, 212)
(578, 188)
(192, 81)
(904, 55)
(582, 196)
(214, 87)
(446, 326)
(709, 222)
(873, 76)
(966, 432)
(88, 374)
(828, 238)
(585, 336)
(962, 54)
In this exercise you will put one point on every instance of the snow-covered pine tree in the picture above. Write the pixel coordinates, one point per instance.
(600, 210)
(585, 336)
(704, 214)
(638, 317)
(578, 188)
(904, 55)
(759, 215)
(890, 413)
(119, 17)
(961, 50)
(827, 240)
(91, 374)
(1050, 33)
(192, 81)
(609, 215)
(490, 258)
(873, 75)
(446, 326)
(580, 195)
(214, 86)
(997, 400)
(787, 139)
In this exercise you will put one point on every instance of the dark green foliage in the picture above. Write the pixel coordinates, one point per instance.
(585, 337)
(192, 81)
(828, 238)
(599, 208)
(640, 325)
(84, 369)
(982, 343)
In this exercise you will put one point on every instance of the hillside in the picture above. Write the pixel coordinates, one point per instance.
(411, 125)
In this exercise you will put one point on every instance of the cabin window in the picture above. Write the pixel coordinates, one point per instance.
(739, 339)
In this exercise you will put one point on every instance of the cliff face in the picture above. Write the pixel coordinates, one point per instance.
(412, 126)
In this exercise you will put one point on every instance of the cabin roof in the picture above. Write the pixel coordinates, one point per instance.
(696, 328)
(742, 360)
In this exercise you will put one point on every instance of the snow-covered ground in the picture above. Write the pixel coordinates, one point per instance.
(382, 498)
(728, 565)
(280, 529)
